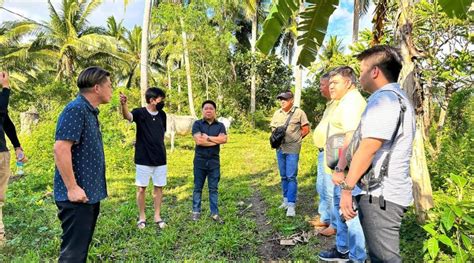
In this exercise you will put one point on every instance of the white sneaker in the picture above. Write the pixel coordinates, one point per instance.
(290, 212)
(283, 206)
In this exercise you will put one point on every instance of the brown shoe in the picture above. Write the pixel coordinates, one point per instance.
(327, 232)
(318, 224)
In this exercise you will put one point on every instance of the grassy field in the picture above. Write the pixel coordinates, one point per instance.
(249, 194)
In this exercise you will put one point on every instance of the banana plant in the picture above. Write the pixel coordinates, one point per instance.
(313, 24)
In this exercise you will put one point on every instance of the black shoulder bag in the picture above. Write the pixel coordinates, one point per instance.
(369, 181)
(278, 134)
(334, 144)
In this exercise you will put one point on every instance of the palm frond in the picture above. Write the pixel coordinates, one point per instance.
(280, 12)
(363, 7)
(87, 12)
(313, 26)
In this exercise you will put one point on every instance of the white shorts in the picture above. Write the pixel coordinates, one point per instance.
(157, 174)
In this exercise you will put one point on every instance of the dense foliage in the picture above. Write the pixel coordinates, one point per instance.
(44, 59)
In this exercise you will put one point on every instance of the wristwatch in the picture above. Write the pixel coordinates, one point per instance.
(208, 139)
(338, 170)
(345, 186)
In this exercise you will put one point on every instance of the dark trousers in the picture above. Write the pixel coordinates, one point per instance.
(381, 227)
(78, 222)
(213, 176)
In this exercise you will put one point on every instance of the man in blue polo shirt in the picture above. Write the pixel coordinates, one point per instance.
(208, 134)
(79, 180)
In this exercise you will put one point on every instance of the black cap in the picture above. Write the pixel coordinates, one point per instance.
(285, 95)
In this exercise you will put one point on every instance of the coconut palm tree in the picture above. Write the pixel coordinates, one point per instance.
(360, 8)
(126, 64)
(21, 59)
(251, 12)
(144, 51)
(69, 34)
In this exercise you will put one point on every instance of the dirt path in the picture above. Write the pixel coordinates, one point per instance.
(269, 249)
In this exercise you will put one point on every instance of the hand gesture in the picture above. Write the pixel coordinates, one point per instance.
(123, 99)
(77, 195)
(4, 79)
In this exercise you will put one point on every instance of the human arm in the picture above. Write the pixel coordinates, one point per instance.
(305, 130)
(5, 92)
(201, 139)
(361, 161)
(63, 161)
(220, 139)
(124, 108)
(10, 131)
(338, 177)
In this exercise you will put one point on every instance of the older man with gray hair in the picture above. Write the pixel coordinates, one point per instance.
(324, 184)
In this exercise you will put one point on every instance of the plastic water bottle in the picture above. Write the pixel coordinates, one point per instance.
(19, 164)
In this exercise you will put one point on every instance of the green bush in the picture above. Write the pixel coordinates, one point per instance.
(451, 226)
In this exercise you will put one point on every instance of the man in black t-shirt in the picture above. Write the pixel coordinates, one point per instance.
(208, 134)
(150, 152)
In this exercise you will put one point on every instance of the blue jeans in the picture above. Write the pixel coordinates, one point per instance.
(288, 166)
(325, 189)
(349, 236)
(213, 176)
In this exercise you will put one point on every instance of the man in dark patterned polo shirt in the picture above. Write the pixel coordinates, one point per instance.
(79, 180)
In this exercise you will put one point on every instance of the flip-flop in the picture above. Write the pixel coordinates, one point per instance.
(141, 224)
(160, 224)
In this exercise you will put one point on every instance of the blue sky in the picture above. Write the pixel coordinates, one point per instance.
(38, 10)
(340, 23)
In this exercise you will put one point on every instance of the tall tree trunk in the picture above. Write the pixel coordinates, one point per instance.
(410, 83)
(188, 69)
(207, 87)
(144, 52)
(426, 106)
(168, 73)
(448, 94)
(298, 69)
(355, 21)
(169, 78)
(179, 95)
(253, 49)
(220, 96)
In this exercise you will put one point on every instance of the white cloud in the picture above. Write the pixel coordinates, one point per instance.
(340, 23)
(38, 11)
(340, 13)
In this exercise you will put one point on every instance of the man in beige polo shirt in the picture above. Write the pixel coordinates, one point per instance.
(344, 119)
(324, 184)
(289, 152)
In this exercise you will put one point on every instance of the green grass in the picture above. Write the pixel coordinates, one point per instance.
(248, 170)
